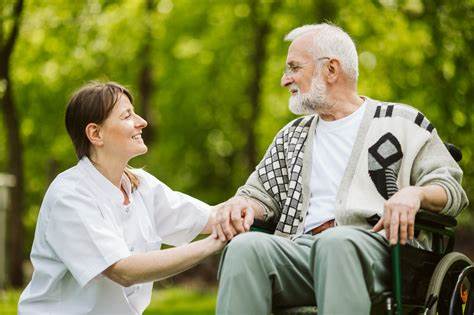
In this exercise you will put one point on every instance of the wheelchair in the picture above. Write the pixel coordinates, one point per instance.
(433, 282)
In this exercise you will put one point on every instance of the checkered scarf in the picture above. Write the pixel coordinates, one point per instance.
(281, 173)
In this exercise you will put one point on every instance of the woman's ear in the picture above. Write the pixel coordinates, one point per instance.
(94, 135)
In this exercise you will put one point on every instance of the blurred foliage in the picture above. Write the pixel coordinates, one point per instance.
(414, 51)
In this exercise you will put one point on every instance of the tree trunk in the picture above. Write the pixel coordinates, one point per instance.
(15, 155)
(261, 28)
(145, 78)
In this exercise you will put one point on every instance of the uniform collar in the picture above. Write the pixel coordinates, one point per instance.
(107, 188)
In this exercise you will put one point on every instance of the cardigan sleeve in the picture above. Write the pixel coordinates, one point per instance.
(434, 165)
(254, 187)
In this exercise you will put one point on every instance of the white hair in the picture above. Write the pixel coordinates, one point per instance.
(330, 41)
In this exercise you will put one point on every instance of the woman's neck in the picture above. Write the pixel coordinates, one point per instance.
(110, 168)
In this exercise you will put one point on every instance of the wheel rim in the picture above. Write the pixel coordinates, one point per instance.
(444, 280)
(461, 292)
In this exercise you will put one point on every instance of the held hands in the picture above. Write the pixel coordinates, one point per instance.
(214, 242)
(233, 217)
(399, 215)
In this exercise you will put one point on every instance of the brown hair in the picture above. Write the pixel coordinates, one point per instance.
(93, 103)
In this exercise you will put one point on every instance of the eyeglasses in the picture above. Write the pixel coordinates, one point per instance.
(293, 68)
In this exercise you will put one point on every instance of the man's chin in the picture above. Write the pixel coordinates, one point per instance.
(298, 109)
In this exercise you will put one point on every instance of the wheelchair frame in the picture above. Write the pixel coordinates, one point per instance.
(454, 268)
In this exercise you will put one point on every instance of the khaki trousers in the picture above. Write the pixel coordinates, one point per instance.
(339, 270)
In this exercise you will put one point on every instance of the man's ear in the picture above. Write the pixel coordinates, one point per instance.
(333, 70)
(94, 134)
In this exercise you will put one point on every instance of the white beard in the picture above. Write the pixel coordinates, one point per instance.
(315, 100)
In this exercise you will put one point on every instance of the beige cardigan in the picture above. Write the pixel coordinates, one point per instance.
(394, 134)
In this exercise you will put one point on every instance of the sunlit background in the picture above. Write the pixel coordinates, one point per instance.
(205, 74)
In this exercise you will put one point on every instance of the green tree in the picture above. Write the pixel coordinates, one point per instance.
(10, 20)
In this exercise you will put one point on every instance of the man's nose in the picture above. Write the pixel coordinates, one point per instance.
(286, 80)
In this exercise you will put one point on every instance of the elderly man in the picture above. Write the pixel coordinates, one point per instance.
(324, 174)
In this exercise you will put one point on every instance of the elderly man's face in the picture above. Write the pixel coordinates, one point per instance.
(308, 89)
(299, 66)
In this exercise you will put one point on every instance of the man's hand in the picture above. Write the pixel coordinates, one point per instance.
(233, 217)
(399, 215)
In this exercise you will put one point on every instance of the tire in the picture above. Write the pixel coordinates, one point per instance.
(444, 279)
(465, 278)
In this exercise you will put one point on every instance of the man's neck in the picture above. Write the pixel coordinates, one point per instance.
(343, 105)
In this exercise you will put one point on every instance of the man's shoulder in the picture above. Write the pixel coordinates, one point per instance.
(299, 123)
(409, 114)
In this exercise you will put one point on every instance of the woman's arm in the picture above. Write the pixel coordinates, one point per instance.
(211, 221)
(160, 264)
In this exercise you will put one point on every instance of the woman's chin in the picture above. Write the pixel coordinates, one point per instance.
(141, 151)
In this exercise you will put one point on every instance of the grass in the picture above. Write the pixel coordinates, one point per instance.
(8, 301)
(178, 300)
(168, 301)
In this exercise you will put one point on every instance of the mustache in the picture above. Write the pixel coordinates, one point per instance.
(293, 86)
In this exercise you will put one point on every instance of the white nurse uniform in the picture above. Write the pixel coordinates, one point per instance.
(83, 227)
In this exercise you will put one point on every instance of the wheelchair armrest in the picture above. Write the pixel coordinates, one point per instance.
(432, 222)
(260, 226)
(433, 219)
(260, 229)
(426, 218)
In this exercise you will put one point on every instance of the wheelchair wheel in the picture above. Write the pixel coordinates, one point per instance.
(463, 293)
(443, 281)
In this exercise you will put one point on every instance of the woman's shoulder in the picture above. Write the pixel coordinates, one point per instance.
(67, 184)
(148, 182)
(146, 179)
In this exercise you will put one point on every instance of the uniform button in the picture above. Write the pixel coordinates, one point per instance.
(300, 218)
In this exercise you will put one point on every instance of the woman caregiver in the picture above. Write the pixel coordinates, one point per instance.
(97, 242)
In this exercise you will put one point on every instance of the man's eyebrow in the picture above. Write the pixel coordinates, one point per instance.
(293, 63)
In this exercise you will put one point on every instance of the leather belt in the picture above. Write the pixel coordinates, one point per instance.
(326, 225)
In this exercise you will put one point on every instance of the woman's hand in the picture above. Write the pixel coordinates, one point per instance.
(235, 216)
(215, 244)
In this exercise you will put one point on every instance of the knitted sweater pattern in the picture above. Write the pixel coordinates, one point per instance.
(391, 140)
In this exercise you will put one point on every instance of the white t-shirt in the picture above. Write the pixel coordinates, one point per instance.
(83, 227)
(332, 148)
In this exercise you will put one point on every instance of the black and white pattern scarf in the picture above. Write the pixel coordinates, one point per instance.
(281, 173)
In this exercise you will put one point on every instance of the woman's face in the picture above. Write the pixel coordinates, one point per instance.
(122, 131)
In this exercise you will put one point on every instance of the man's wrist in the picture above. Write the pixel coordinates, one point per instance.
(258, 208)
(432, 197)
(421, 194)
